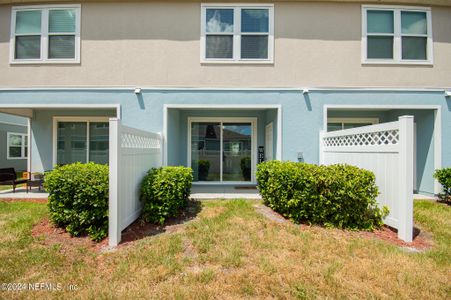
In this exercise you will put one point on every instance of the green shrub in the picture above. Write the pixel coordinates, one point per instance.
(340, 196)
(444, 177)
(164, 192)
(78, 198)
(245, 165)
(203, 169)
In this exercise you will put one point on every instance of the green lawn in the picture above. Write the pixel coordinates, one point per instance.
(230, 251)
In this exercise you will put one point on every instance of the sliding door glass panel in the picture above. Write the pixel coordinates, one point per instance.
(206, 151)
(237, 144)
(71, 142)
(98, 142)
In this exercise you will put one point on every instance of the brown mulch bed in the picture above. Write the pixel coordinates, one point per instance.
(141, 229)
(421, 241)
(52, 235)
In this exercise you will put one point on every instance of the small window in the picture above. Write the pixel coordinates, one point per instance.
(396, 35)
(237, 33)
(17, 145)
(41, 34)
(334, 124)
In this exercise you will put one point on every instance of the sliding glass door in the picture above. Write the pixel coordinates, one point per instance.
(221, 151)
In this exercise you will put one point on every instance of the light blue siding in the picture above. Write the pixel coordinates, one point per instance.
(302, 115)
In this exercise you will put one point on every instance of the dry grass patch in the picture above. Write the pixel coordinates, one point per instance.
(230, 251)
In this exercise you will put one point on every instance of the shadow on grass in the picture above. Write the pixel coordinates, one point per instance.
(141, 229)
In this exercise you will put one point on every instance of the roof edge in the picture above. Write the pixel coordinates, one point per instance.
(446, 3)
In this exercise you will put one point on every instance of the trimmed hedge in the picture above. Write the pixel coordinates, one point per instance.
(78, 199)
(340, 196)
(164, 192)
(444, 177)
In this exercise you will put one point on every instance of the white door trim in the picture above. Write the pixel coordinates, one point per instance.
(252, 120)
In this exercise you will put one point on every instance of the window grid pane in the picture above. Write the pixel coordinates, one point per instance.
(28, 47)
(255, 20)
(219, 20)
(254, 46)
(414, 48)
(28, 22)
(414, 22)
(219, 46)
(61, 46)
(98, 142)
(379, 47)
(62, 20)
(380, 21)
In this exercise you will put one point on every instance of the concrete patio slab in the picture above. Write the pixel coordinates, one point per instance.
(21, 193)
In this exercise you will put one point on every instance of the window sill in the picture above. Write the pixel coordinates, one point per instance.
(238, 62)
(16, 158)
(44, 62)
(399, 63)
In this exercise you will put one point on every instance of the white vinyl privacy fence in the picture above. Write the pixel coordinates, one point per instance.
(132, 153)
(387, 150)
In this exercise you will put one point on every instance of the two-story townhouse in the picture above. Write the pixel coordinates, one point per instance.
(223, 81)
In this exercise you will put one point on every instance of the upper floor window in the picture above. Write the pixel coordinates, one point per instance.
(237, 33)
(396, 35)
(45, 34)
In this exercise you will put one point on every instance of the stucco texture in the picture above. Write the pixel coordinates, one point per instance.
(158, 44)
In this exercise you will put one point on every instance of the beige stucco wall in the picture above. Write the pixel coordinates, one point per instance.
(157, 44)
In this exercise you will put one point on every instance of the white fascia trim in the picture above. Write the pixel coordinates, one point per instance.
(117, 107)
(13, 124)
(300, 89)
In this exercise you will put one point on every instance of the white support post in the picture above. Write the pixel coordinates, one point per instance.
(114, 230)
(405, 230)
(29, 140)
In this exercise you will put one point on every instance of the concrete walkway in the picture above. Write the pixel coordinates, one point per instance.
(210, 196)
(21, 193)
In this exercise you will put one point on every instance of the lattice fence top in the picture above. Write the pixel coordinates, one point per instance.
(387, 137)
(133, 141)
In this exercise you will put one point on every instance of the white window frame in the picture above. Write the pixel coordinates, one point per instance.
(86, 120)
(24, 154)
(355, 120)
(237, 33)
(45, 35)
(397, 35)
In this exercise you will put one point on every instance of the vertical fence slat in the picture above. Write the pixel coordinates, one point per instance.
(405, 230)
(114, 233)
